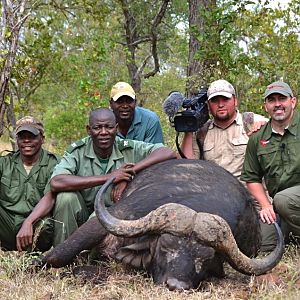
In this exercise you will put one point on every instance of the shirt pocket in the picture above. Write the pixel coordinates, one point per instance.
(270, 160)
(9, 189)
(41, 186)
(209, 151)
(207, 147)
(8, 182)
(239, 146)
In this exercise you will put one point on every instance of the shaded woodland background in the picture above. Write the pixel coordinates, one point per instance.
(59, 59)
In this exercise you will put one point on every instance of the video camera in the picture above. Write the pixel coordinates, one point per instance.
(195, 112)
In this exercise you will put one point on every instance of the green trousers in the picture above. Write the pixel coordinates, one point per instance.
(287, 205)
(70, 211)
(10, 225)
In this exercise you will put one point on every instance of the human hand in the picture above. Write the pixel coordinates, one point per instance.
(118, 190)
(124, 173)
(24, 237)
(256, 126)
(267, 214)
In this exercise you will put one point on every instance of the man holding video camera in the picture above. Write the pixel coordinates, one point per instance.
(224, 138)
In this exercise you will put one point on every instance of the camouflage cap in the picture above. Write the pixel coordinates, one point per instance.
(30, 124)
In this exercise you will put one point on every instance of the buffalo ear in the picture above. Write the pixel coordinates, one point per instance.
(138, 255)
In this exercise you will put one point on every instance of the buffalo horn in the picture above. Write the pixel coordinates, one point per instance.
(179, 220)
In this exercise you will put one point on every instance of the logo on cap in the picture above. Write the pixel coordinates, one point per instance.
(278, 87)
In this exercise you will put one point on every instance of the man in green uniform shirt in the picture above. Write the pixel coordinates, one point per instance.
(89, 163)
(23, 198)
(273, 154)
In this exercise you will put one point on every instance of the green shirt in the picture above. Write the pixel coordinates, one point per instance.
(275, 157)
(81, 160)
(145, 127)
(19, 191)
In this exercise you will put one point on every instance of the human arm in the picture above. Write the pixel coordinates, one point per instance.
(258, 122)
(187, 145)
(68, 182)
(253, 174)
(158, 155)
(24, 237)
(266, 213)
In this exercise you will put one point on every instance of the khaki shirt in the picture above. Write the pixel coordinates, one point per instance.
(81, 160)
(19, 191)
(274, 157)
(227, 147)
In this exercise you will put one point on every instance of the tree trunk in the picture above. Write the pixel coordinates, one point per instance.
(134, 40)
(13, 16)
(198, 68)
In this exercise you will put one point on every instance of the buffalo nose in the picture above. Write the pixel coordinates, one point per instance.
(175, 284)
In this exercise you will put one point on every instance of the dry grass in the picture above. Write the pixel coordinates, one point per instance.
(16, 282)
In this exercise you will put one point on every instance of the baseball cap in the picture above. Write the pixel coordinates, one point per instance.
(279, 87)
(122, 89)
(220, 88)
(30, 124)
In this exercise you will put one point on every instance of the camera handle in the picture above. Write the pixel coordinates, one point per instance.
(178, 147)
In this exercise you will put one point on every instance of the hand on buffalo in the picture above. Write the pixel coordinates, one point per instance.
(118, 190)
(124, 173)
(267, 214)
(24, 236)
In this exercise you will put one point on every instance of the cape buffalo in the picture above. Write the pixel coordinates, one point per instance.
(179, 220)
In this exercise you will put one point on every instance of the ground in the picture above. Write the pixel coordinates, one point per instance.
(18, 281)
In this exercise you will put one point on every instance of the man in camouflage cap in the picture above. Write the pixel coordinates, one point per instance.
(89, 163)
(24, 198)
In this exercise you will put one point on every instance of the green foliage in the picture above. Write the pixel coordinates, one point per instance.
(72, 52)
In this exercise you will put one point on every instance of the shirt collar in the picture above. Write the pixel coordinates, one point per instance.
(90, 153)
(292, 128)
(137, 119)
(115, 155)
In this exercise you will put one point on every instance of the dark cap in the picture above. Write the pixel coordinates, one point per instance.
(30, 124)
(278, 87)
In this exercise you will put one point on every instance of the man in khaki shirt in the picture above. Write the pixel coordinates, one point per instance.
(224, 138)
